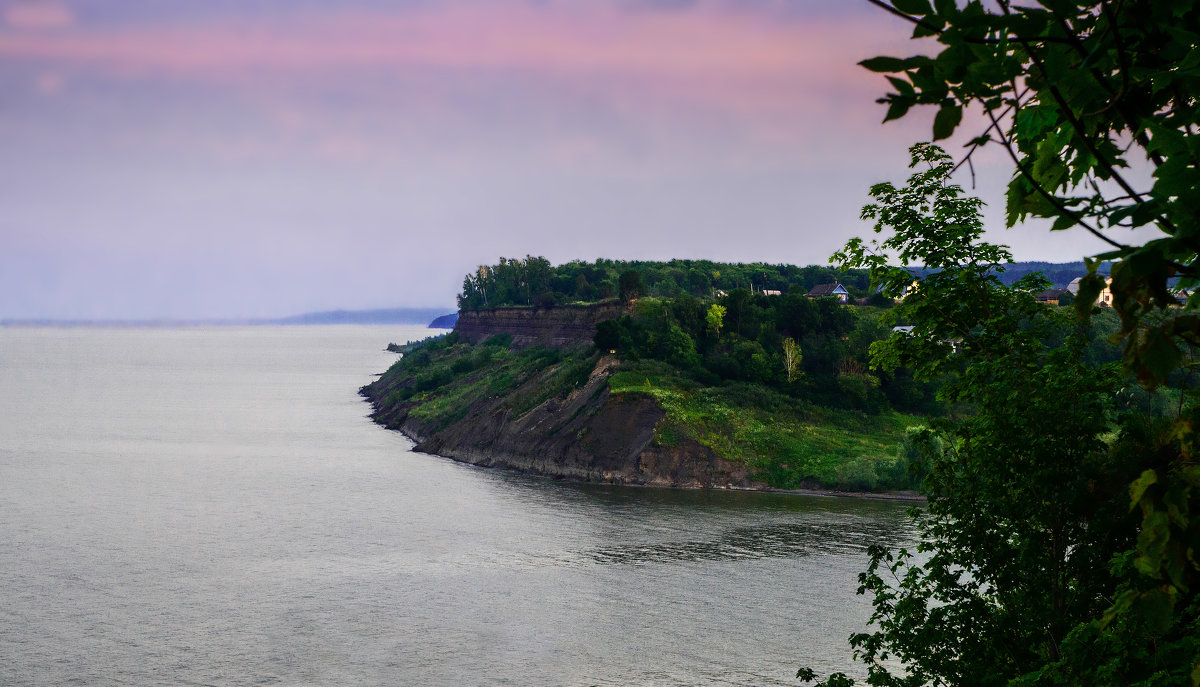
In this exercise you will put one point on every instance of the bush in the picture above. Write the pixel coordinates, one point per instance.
(499, 341)
(858, 474)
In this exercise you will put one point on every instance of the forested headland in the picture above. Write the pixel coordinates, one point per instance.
(769, 378)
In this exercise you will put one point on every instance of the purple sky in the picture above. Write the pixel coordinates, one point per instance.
(238, 158)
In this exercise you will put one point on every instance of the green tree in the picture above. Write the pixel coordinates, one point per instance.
(1026, 503)
(1095, 105)
(715, 318)
(791, 358)
(1077, 94)
(630, 284)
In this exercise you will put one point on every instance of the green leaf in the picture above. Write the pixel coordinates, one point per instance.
(897, 109)
(883, 64)
(1014, 207)
(1158, 354)
(1062, 222)
(1139, 487)
(946, 121)
(902, 86)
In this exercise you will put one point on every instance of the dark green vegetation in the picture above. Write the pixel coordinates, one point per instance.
(533, 281)
(1072, 556)
(447, 374)
(745, 338)
(1029, 546)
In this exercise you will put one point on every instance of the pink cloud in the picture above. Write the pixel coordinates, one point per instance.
(565, 82)
(37, 15)
(735, 59)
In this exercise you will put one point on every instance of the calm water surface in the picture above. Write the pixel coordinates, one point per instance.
(212, 506)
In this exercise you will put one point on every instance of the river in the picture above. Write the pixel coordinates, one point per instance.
(212, 506)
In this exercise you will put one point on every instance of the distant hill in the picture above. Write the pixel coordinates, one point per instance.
(444, 322)
(381, 316)
(419, 316)
(1060, 273)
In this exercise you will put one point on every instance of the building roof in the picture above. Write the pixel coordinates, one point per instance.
(1051, 295)
(827, 290)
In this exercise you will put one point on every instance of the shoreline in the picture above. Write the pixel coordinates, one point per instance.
(895, 496)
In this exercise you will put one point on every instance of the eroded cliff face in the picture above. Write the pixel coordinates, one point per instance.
(588, 435)
(558, 327)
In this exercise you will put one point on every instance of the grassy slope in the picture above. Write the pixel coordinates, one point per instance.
(784, 442)
(446, 377)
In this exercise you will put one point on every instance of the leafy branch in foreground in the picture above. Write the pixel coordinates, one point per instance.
(1095, 104)
(1027, 538)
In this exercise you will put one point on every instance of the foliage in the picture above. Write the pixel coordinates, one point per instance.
(785, 443)
(630, 284)
(1027, 503)
(442, 377)
(791, 357)
(1086, 98)
(715, 318)
(533, 281)
(1095, 103)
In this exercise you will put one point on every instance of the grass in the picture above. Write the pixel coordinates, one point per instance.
(784, 442)
(443, 378)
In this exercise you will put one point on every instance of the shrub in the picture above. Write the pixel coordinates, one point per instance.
(858, 474)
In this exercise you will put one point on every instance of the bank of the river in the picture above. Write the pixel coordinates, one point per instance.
(576, 414)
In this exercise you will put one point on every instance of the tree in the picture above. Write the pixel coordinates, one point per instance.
(1095, 105)
(715, 318)
(630, 284)
(1026, 502)
(791, 358)
(1078, 94)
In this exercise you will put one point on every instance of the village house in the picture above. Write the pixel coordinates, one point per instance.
(1104, 299)
(833, 290)
(1051, 296)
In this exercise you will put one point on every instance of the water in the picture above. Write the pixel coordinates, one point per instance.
(212, 506)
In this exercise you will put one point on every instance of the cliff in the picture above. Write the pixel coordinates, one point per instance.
(582, 431)
(557, 327)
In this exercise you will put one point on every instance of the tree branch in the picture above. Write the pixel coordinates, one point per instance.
(1077, 125)
(1007, 143)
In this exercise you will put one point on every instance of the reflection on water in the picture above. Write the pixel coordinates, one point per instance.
(212, 506)
(785, 540)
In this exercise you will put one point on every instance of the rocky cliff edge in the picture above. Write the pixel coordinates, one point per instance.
(587, 434)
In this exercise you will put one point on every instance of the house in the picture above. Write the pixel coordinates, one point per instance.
(1105, 298)
(1051, 296)
(1106, 295)
(771, 292)
(906, 329)
(833, 290)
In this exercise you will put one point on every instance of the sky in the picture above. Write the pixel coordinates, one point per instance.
(260, 158)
